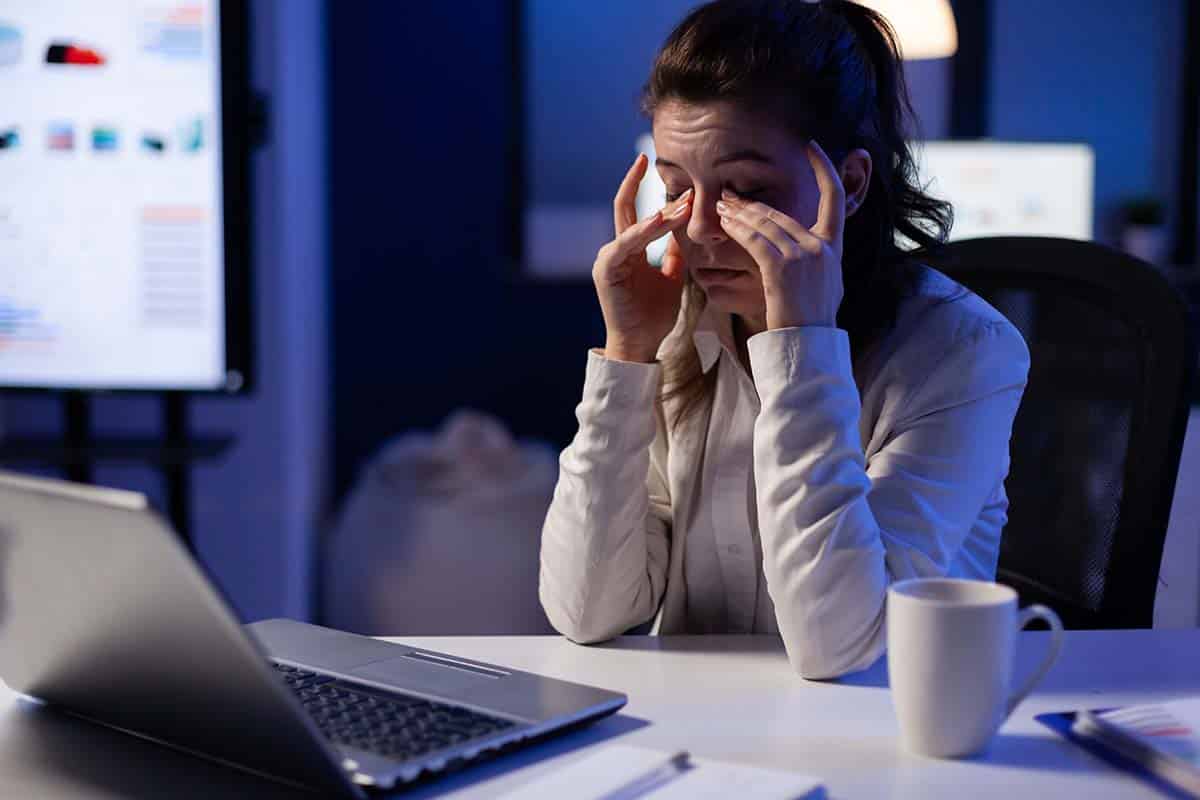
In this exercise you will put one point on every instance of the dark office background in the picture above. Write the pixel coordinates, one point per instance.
(385, 294)
(436, 298)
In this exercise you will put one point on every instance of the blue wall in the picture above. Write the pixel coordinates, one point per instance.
(427, 314)
(586, 64)
(1098, 71)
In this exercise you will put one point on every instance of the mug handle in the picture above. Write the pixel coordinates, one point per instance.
(1027, 616)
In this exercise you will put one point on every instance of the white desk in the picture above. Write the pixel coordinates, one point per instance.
(733, 698)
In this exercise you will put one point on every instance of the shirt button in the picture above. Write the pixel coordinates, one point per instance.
(734, 550)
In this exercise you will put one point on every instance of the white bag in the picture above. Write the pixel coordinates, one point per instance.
(441, 535)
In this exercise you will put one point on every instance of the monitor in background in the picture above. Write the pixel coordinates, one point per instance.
(1011, 188)
(123, 223)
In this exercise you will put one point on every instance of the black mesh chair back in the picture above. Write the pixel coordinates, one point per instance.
(1096, 442)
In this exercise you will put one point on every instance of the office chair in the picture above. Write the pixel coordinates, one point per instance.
(1096, 442)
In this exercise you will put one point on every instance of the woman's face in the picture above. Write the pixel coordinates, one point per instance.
(711, 147)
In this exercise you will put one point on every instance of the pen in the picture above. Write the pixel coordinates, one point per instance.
(652, 779)
(1163, 764)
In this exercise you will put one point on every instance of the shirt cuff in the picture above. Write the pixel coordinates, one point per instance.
(621, 385)
(786, 356)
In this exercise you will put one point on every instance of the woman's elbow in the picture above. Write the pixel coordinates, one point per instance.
(578, 631)
(574, 626)
(818, 669)
(823, 660)
(589, 617)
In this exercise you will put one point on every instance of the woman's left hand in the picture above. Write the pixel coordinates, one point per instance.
(801, 267)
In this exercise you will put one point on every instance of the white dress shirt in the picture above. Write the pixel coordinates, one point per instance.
(808, 486)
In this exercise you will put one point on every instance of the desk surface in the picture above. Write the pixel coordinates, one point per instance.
(729, 697)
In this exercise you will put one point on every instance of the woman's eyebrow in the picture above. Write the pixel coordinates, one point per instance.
(737, 155)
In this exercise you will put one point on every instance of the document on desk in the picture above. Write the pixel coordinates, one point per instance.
(1159, 743)
(620, 771)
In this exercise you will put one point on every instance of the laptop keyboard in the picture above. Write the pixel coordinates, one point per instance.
(388, 723)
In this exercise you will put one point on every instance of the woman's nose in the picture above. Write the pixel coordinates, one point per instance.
(704, 228)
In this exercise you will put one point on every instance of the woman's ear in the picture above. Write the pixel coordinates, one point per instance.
(856, 179)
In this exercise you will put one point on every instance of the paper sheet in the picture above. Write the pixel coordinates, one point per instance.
(615, 765)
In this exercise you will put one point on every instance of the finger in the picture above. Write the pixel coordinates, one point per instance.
(755, 217)
(678, 209)
(794, 228)
(673, 265)
(625, 203)
(831, 213)
(761, 249)
(637, 236)
(783, 231)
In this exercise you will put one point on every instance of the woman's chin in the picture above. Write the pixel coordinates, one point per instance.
(728, 299)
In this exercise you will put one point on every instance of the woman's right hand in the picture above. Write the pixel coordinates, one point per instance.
(639, 303)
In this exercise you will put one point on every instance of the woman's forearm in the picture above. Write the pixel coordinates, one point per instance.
(837, 530)
(604, 543)
(822, 551)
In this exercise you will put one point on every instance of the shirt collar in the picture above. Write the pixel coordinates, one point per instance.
(714, 333)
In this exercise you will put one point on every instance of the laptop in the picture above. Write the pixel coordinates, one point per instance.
(104, 614)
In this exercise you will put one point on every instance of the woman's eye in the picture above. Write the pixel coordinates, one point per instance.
(749, 194)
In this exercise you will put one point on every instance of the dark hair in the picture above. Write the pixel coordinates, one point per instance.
(830, 71)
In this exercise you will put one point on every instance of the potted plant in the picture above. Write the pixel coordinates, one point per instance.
(1144, 229)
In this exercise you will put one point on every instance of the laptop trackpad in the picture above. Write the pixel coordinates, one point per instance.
(419, 673)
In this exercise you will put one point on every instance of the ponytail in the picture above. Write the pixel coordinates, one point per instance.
(914, 214)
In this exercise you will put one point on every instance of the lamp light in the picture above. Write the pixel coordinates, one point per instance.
(925, 27)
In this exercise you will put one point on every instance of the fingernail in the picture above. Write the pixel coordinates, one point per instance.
(679, 211)
(724, 208)
(687, 195)
(728, 195)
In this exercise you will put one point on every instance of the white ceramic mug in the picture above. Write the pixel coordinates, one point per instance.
(951, 646)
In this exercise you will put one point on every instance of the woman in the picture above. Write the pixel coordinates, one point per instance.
(793, 412)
